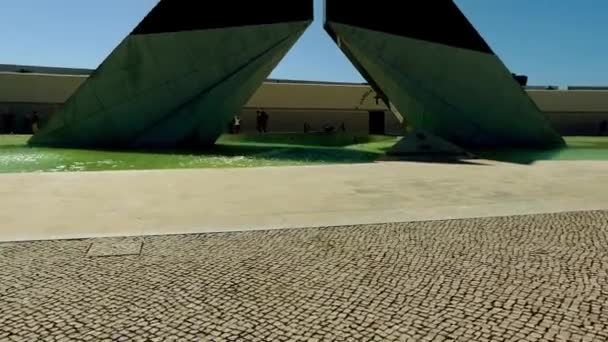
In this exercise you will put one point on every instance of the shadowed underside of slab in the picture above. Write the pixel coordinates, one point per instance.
(180, 75)
(431, 65)
(416, 143)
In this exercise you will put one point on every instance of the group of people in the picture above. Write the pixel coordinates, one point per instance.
(261, 124)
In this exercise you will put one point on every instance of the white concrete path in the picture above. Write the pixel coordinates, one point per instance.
(98, 204)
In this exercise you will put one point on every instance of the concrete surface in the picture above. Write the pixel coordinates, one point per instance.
(524, 278)
(102, 204)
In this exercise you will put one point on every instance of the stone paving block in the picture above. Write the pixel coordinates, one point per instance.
(115, 247)
(398, 281)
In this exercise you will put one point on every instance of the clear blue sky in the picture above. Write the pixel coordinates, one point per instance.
(553, 41)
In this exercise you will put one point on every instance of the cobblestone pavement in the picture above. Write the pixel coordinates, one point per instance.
(531, 278)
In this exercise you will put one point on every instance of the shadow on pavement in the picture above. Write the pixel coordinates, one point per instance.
(518, 156)
(434, 159)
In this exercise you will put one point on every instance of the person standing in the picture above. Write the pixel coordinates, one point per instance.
(258, 121)
(237, 124)
(264, 121)
(35, 123)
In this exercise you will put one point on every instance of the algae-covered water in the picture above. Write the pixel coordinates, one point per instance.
(230, 151)
(255, 150)
(578, 148)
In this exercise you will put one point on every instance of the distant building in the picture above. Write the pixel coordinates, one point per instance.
(290, 103)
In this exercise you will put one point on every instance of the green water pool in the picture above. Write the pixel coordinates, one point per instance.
(254, 151)
(229, 152)
(578, 148)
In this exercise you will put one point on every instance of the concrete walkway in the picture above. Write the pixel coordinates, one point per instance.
(103, 204)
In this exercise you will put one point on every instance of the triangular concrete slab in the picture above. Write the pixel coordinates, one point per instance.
(426, 59)
(157, 88)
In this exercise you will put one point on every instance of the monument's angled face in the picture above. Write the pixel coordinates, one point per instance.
(434, 68)
(180, 76)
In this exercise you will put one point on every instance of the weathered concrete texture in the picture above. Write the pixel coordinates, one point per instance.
(432, 65)
(165, 89)
(98, 204)
(179, 77)
(533, 278)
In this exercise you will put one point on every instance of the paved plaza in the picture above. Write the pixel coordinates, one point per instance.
(102, 204)
(531, 278)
